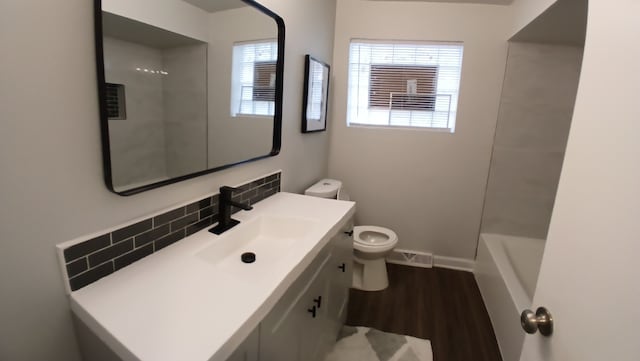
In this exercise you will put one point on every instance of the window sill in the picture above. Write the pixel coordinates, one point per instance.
(256, 116)
(401, 127)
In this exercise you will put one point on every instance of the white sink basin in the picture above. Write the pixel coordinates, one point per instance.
(269, 237)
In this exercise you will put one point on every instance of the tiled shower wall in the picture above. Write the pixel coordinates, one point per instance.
(137, 142)
(90, 260)
(540, 87)
(184, 94)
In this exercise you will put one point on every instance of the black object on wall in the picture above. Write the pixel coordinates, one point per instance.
(104, 109)
(315, 95)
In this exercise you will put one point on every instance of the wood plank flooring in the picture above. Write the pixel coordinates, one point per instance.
(438, 304)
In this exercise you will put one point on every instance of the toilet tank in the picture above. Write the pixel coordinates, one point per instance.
(325, 188)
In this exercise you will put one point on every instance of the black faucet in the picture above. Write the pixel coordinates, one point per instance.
(225, 203)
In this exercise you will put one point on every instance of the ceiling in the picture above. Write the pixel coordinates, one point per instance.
(565, 22)
(494, 2)
(213, 6)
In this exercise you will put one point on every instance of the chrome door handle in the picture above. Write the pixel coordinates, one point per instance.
(541, 320)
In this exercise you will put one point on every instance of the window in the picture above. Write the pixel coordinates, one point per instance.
(115, 101)
(404, 84)
(253, 78)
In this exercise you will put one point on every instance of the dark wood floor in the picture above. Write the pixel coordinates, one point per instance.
(438, 304)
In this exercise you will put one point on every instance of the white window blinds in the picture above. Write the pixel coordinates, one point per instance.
(404, 84)
(253, 78)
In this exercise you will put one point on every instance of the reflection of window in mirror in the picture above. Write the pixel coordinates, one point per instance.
(318, 82)
(264, 81)
(115, 101)
(253, 78)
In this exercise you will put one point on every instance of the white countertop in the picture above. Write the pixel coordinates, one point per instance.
(173, 305)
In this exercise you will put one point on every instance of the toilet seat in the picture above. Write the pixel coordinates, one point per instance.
(373, 239)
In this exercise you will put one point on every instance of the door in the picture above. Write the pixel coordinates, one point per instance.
(590, 274)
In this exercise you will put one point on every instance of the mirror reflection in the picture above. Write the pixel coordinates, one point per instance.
(189, 86)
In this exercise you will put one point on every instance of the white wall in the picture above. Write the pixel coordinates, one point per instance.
(173, 15)
(525, 11)
(427, 186)
(51, 187)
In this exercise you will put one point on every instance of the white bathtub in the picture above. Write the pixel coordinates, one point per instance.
(506, 270)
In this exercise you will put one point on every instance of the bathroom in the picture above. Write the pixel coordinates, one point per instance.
(432, 188)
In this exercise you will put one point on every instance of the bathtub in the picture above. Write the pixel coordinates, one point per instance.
(507, 270)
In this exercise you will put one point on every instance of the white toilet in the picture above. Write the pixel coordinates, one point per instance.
(371, 244)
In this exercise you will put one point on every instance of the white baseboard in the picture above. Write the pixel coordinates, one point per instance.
(461, 264)
(429, 260)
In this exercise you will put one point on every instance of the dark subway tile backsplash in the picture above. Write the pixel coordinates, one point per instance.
(170, 239)
(131, 257)
(152, 235)
(98, 257)
(78, 266)
(196, 206)
(132, 230)
(110, 253)
(91, 276)
(84, 248)
(168, 216)
(206, 212)
(181, 223)
(198, 226)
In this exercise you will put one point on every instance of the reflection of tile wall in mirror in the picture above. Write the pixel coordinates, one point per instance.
(163, 72)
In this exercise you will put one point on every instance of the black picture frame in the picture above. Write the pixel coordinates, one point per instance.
(104, 118)
(314, 113)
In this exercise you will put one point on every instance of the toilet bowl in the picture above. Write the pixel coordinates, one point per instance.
(371, 244)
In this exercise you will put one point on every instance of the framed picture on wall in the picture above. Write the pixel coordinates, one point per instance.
(315, 95)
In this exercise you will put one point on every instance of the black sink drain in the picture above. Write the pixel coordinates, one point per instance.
(248, 257)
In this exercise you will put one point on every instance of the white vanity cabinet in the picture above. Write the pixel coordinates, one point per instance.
(205, 301)
(304, 324)
(248, 350)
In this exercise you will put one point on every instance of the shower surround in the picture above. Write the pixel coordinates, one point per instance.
(538, 96)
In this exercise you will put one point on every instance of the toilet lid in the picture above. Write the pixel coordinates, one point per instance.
(372, 236)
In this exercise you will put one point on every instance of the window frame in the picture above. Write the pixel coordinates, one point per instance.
(356, 89)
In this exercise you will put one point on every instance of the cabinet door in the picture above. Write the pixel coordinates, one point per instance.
(340, 278)
(317, 335)
(290, 331)
(248, 350)
(279, 339)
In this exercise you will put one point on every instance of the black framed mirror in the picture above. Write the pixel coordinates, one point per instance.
(186, 88)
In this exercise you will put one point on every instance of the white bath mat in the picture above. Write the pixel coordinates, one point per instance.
(368, 344)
